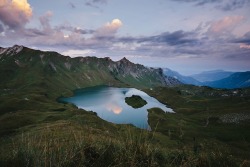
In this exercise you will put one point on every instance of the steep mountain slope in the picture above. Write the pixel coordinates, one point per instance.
(236, 80)
(33, 74)
(211, 75)
(181, 78)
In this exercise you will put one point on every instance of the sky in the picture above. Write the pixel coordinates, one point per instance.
(188, 36)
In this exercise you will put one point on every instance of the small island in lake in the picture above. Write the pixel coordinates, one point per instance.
(135, 101)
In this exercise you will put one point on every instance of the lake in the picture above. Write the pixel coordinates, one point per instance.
(109, 104)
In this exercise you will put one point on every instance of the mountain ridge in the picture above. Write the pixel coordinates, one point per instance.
(24, 71)
(236, 80)
(208, 76)
(181, 78)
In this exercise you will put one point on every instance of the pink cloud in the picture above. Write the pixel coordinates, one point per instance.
(225, 24)
(15, 13)
(109, 29)
(244, 46)
(45, 20)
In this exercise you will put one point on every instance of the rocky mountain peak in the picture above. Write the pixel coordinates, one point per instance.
(12, 50)
(124, 60)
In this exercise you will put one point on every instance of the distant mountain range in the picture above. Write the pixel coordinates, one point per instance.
(215, 78)
(236, 80)
(181, 78)
(214, 75)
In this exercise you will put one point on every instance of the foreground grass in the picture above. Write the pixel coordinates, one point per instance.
(64, 143)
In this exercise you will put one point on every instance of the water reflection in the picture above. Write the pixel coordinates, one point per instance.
(109, 104)
(113, 107)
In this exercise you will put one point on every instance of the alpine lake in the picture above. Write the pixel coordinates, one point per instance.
(109, 104)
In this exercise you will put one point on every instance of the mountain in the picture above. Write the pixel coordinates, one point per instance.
(211, 75)
(236, 80)
(181, 78)
(77, 71)
(33, 74)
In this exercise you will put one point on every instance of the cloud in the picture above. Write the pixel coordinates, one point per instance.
(77, 30)
(45, 20)
(244, 46)
(114, 107)
(109, 29)
(234, 4)
(91, 2)
(78, 53)
(197, 2)
(243, 40)
(1, 28)
(72, 5)
(15, 13)
(226, 5)
(168, 38)
(174, 38)
(105, 41)
(95, 3)
(226, 24)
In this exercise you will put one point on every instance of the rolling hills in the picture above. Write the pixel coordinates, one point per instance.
(210, 127)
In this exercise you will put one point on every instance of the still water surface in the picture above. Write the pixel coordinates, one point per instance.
(109, 104)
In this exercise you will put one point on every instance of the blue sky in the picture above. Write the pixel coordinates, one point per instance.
(188, 36)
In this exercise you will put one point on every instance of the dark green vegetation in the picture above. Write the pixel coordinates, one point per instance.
(210, 126)
(206, 120)
(135, 101)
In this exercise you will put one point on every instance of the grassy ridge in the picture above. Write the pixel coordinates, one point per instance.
(205, 120)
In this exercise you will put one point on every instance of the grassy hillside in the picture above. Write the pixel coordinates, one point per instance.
(206, 120)
(210, 126)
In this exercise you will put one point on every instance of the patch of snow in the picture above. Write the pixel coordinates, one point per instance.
(88, 76)
(82, 60)
(53, 66)
(134, 75)
(14, 50)
(2, 50)
(18, 63)
(41, 57)
(18, 49)
(67, 65)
